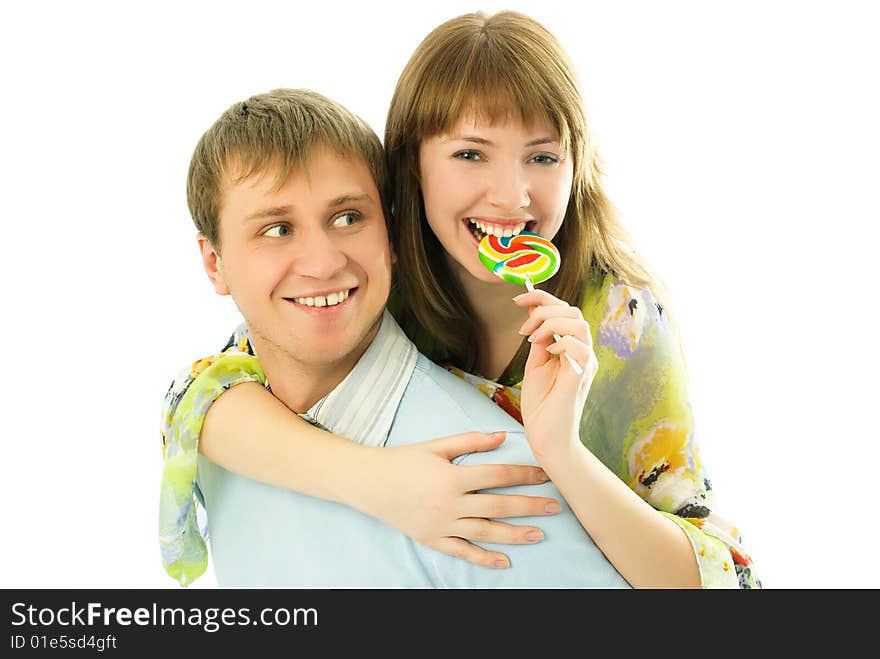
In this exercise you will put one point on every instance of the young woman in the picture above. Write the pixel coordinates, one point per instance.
(486, 134)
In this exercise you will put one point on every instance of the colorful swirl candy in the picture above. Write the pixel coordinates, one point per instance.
(521, 258)
(525, 259)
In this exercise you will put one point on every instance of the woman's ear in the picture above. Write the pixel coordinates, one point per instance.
(212, 265)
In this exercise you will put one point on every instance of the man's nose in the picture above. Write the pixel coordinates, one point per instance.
(508, 187)
(319, 256)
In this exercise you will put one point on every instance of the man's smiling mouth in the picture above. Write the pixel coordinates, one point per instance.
(329, 300)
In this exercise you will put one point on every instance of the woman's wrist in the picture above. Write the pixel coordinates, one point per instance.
(556, 453)
(357, 471)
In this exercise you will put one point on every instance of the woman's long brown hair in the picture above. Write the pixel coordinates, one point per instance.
(491, 68)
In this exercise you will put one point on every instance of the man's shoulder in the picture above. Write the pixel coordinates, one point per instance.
(452, 393)
(438, 399)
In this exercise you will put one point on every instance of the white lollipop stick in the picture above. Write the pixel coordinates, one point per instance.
(557, 338)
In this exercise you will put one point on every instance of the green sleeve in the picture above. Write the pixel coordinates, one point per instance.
(638, 421)
(181, 536)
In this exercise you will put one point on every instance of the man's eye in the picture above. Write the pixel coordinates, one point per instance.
(545, 159)
(278, 231)
(346, 219)
(468, 155)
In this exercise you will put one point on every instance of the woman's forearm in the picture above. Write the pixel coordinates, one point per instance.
(250, 432)
(415, 488)
(648, 549)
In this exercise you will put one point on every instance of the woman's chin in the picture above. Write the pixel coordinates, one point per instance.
(472, 268)
(479, 272)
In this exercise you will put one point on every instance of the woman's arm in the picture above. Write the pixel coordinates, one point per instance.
(638, 424)
(648, 549)
(415, 488)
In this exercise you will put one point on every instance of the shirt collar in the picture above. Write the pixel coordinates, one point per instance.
(362, 407)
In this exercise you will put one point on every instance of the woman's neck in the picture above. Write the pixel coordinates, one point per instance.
(498, 318)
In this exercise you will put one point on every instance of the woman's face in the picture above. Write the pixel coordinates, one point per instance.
(499, 178)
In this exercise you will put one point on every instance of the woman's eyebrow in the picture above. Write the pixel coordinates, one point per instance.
(467, 138)
(482, 140)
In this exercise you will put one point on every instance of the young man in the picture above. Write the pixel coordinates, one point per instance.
(297, 235)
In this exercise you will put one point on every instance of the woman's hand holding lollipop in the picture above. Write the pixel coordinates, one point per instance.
(553, 395)
(525, 259)
(553, 392)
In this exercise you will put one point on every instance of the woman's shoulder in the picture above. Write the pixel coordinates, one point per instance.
(621, 315)
(606, 293)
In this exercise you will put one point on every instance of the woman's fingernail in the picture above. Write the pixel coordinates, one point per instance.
(534, 536)
(553, 507)
(543, 477)
(502, 562)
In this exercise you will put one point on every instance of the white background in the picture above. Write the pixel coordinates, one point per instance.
(741, 142)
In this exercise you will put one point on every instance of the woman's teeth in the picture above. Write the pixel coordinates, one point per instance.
(495, 229)
(323, 301)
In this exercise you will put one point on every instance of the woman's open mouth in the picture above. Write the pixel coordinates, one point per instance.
(480, 229)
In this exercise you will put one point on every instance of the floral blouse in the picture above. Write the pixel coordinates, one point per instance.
(637, 420)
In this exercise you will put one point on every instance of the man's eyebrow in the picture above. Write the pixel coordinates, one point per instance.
(274, 211)
(348, 198)
(284, 211)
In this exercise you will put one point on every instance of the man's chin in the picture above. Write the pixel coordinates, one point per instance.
(326, 348)
(324, 353)
(331, 350)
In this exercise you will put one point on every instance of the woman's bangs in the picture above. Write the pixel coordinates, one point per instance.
(491, 95)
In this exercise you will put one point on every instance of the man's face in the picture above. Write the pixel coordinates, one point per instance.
(309, 266)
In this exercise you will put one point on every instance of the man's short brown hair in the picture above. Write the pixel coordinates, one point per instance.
(274, 132)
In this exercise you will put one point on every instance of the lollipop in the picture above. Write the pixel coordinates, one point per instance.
(525, 259)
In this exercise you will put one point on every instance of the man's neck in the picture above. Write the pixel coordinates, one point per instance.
(300, 388)
(298, 385)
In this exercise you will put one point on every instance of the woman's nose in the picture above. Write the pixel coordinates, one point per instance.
(508, 188)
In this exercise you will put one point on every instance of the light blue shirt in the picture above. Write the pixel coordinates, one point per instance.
(262, 536)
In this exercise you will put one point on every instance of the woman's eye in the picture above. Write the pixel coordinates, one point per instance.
(278, 231)
(346, 219)
(468, 155)
(545, 159)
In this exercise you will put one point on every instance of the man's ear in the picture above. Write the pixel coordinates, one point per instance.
(211, 262)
